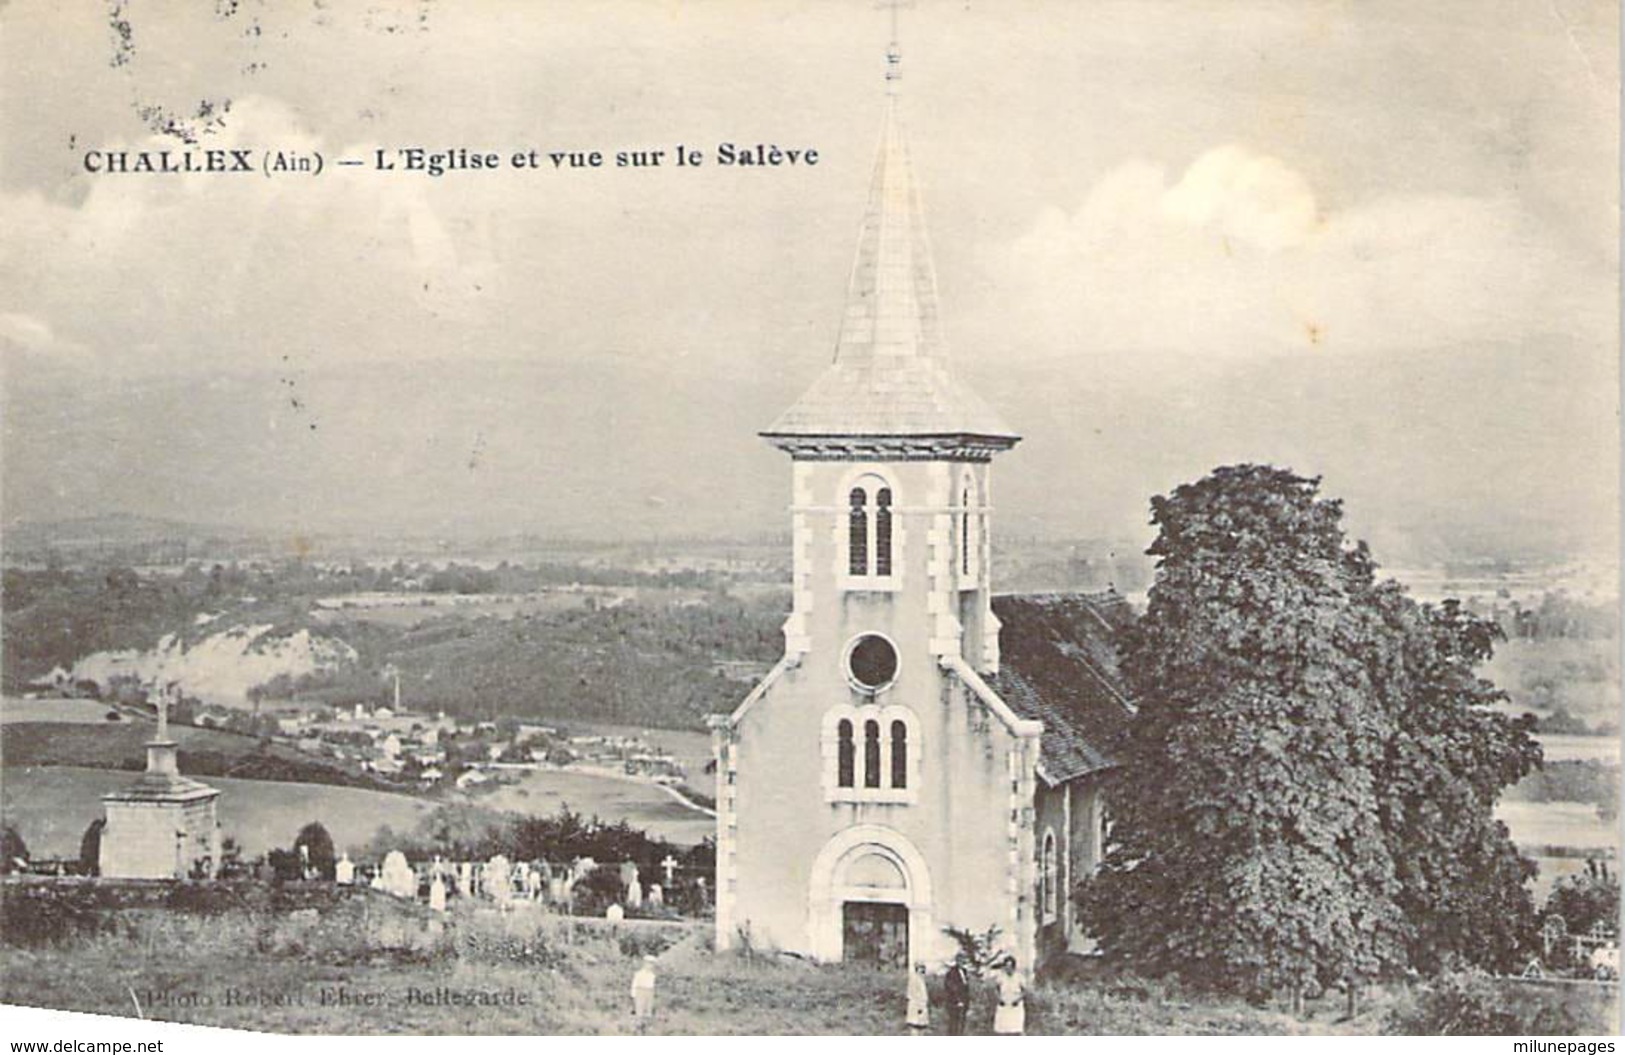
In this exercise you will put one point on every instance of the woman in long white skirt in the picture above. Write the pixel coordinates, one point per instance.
(1010, 1019)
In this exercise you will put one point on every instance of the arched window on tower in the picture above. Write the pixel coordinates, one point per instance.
(872, 533)
(964, 531)
(846, 755)
(899, 754)
(883, 531)
(857, 537)
(871, 754)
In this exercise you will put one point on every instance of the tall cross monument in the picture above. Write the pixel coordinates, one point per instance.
(163, 825)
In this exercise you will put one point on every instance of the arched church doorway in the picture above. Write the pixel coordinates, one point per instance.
(874, 908)
(870, 898)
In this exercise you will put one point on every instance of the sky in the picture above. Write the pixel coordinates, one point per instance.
(1375, 242)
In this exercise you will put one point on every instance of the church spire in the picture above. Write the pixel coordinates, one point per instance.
(889, 377)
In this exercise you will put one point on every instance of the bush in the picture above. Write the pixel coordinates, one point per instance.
(597, 890)
(485, 939)
(1471, 1004)
(638, 942)
(36, 914)
(1463, 1004)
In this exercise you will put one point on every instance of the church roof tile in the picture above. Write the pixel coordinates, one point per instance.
(1058, 665)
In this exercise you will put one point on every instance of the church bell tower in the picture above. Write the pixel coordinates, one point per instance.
(869, 789)
(890, 453)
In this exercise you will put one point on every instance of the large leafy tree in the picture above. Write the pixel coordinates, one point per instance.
(1303, 734)
(1462, 884)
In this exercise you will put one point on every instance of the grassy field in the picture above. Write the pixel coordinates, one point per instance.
(110, 745)
(73, 712)
(1571, 824)
(203, 752)
(52, 805)
(372, 965)
(1560, 748)
(692, 750)
(403, 615)
(641, 804)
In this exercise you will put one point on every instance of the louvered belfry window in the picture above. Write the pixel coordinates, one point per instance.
(883, 532)
(858, 532)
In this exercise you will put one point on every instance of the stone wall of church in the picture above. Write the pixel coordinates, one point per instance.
(156, 839)
(961, 823)
(1051, 809)
(787, 846)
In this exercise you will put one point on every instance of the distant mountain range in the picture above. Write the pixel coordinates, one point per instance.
(618, 447)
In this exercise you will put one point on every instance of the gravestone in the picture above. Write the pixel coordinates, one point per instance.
(437, 894)
(634, 894)
(398, 877)
(498, 881)
(344, 871)
(657, 895)
(615, 913)
(465, 878)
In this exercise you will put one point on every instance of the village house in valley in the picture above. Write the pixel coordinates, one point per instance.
(925, 755)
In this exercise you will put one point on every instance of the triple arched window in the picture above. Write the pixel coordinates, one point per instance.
(872, 754)
(869, 529)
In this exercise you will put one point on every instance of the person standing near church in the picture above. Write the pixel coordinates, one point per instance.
(643, 994)
(956, 995)
(1010, 1019)
(919, 1001)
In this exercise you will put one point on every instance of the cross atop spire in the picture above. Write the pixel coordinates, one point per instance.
(894, 51)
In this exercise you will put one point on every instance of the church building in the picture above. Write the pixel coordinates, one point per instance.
(925, 755)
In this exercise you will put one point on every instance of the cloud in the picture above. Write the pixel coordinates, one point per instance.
(1236, 258)
(197, 272)
(25, 331)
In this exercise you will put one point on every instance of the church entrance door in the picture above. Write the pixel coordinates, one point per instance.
(875, 932)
